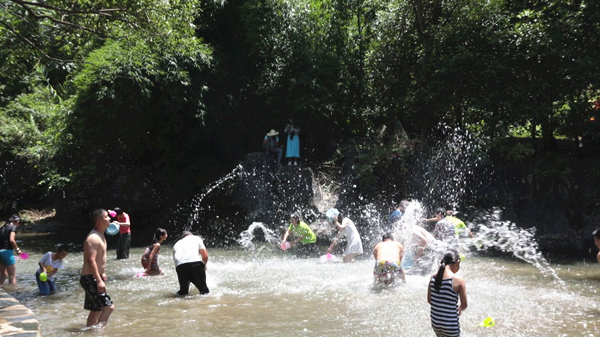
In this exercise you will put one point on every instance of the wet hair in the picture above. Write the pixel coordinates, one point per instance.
(97, 214)
(440, 211)
(387, 236)
(295, 215)
(158, 233)
(14, 218)
(186, 233)
(63, 248)
(118, 210)
(596, 233)
(451, 257)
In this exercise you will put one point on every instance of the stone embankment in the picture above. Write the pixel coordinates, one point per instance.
(16, 320)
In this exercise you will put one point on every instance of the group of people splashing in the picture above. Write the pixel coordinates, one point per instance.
(446, 293)
(189, 254)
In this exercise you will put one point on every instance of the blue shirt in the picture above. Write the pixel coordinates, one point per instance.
(395, 216)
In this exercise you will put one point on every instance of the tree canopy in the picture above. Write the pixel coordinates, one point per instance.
(163, 94)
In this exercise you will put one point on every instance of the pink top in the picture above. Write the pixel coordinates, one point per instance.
(124, 218)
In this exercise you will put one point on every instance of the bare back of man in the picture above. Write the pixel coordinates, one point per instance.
(423, 238)
(388, 261)
(388, 250)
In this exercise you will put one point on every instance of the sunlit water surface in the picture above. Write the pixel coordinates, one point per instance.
(269, 293)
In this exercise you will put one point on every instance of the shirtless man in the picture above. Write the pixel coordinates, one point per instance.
(92, 274)
(422, 239)
(388, 261)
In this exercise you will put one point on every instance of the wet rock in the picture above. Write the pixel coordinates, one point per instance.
(269, 194)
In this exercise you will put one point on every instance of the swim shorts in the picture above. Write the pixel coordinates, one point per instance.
(6, 257)
(387, 272)
(94, 301)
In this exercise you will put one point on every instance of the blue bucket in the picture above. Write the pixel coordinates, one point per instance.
(113, 228)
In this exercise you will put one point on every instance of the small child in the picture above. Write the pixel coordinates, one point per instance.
(150, 257)
(49, 265)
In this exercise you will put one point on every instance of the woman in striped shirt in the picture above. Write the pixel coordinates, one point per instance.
(445, 288)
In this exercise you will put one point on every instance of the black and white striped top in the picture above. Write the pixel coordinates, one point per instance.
(444, 308)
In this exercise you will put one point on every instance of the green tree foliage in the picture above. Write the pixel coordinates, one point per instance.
(171, 90)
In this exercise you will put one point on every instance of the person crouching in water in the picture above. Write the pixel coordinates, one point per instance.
(445, 289)
(150, 257)
(305, 238)
(49, 265)
(388, 261)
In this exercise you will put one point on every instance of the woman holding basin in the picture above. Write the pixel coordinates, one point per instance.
(124, 242)
(347, 228)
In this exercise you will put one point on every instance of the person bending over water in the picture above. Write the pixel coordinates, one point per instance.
(49, 265)
(190, 257)
(445, 289)
(93, 277)
(346, 227)
(150, 257)
(305, 239)
(388, 261)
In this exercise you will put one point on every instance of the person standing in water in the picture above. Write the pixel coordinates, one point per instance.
(444, 228)
(49, 264)
(444, 291)
(305, 238)
(347, 228)
(388, 261)
(460, 229)
(398, 212)
(93, 273)
(190, 257)
(124, 241)
(8, 244)
(150, 257)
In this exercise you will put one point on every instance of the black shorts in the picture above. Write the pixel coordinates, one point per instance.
(93, 300)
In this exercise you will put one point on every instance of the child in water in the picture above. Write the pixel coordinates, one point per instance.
(49, 265)
(150, 257)
(445, 288)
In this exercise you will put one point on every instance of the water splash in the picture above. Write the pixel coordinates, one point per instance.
(247, 236)
(325, 191)
(453, 171)
(507, 237)
(194, 209)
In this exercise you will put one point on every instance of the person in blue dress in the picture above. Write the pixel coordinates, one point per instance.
(292, 151)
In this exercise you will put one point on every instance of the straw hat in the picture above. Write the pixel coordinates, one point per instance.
(272, 133)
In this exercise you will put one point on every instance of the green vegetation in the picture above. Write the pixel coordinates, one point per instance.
(153, 98)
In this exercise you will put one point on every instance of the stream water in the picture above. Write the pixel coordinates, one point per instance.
(267, 292)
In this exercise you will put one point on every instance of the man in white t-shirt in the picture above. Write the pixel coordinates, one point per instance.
(190, 257)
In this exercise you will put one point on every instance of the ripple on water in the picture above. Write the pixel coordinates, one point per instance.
(276, 294)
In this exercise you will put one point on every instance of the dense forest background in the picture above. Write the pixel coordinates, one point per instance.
(146, 102)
